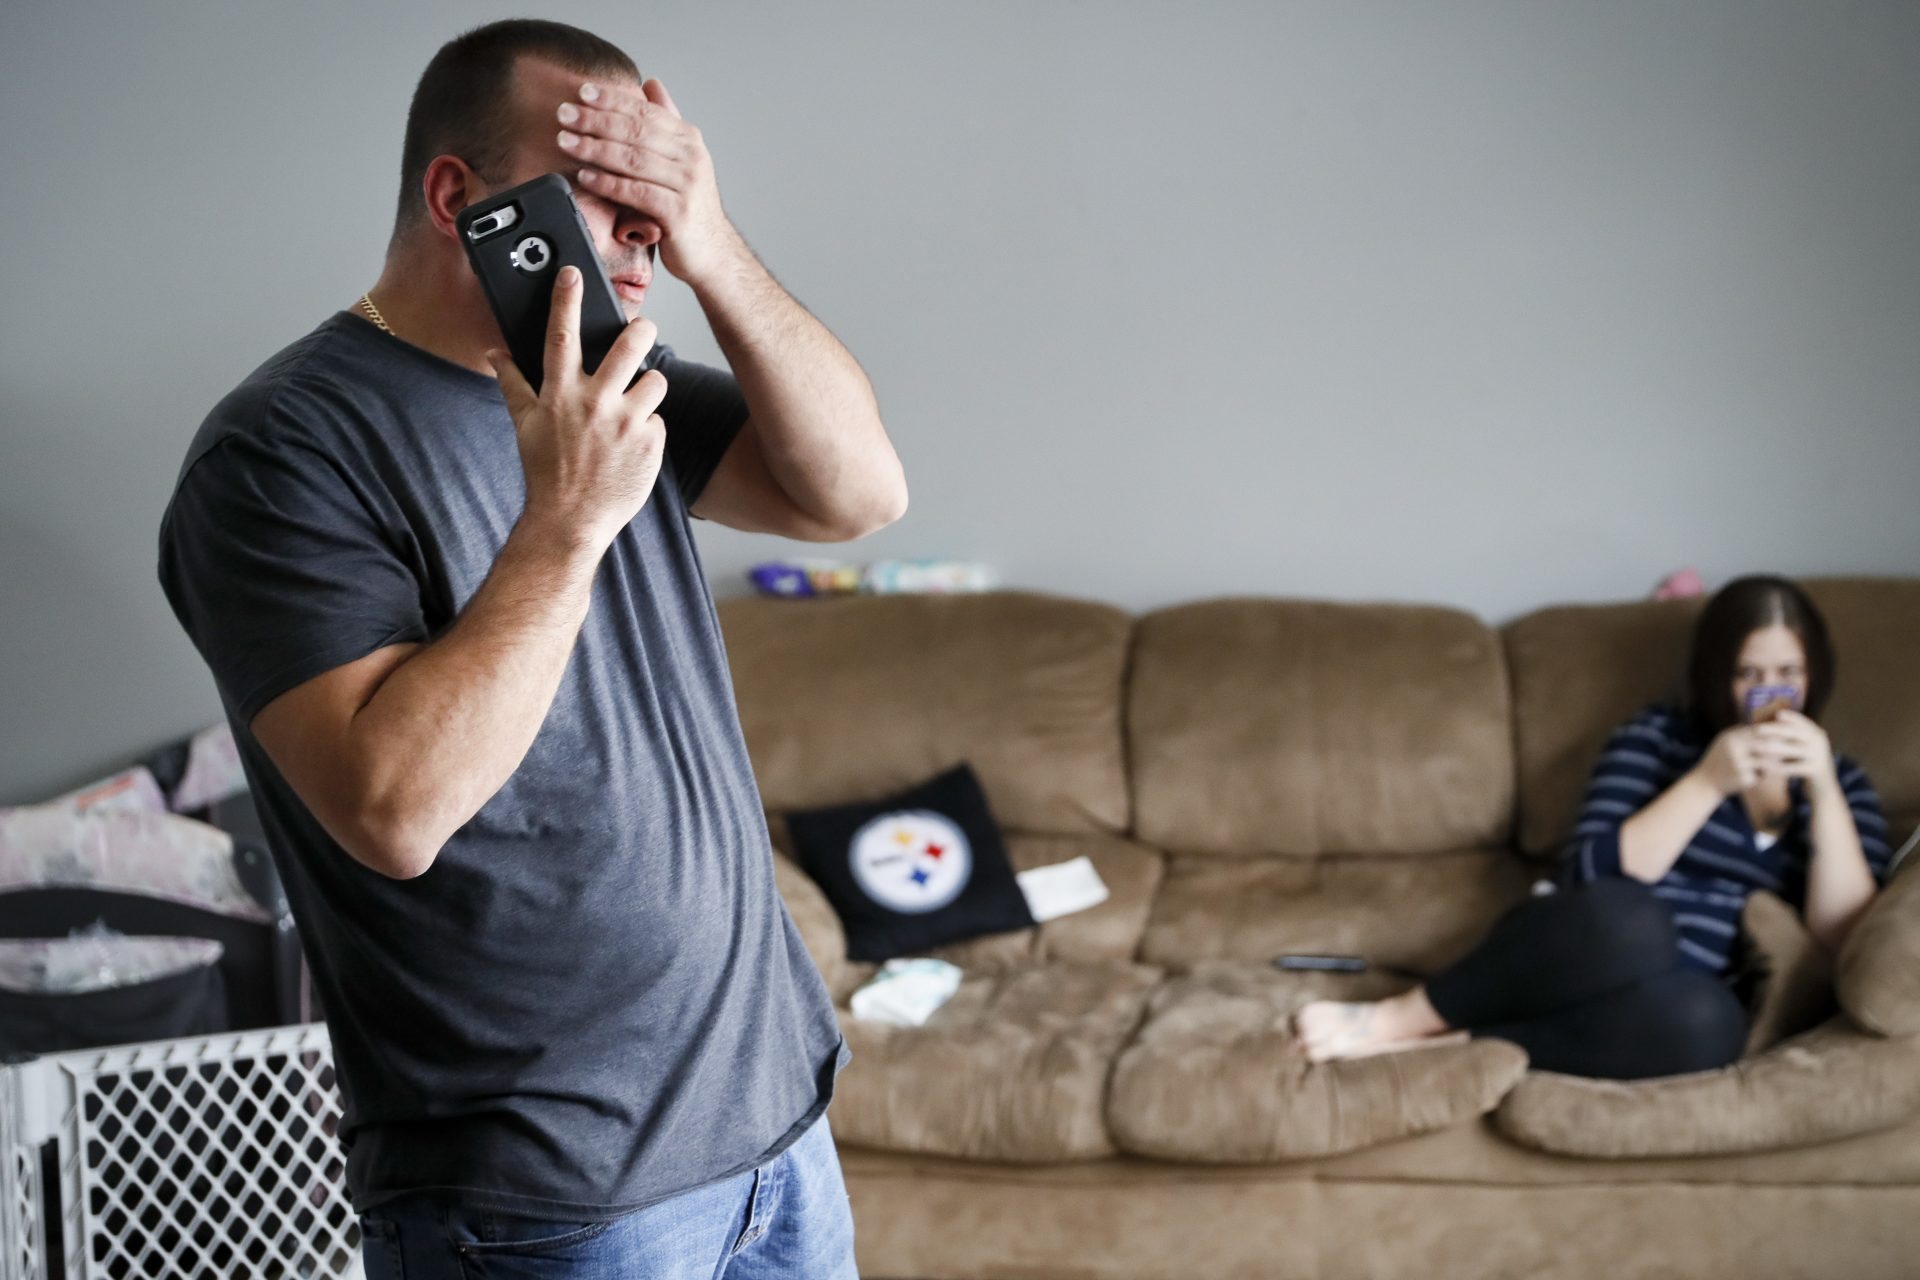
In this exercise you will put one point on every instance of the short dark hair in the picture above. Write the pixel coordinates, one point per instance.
(464, 105)
(1736, 611)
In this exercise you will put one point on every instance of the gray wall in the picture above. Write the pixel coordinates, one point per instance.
(1487, 304)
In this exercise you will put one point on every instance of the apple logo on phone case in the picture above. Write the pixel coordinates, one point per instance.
(532, 255)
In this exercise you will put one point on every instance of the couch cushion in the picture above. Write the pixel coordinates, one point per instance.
(1877, 978)
(1477, 1152)
(1415, 912)
(1141, 1219)
(1580, 670)
(1013, 1067)
(1109, 931)
(1827, 1083)
(1215, 1076)
(847, 700)
(1472, 1151)
(1287, 727)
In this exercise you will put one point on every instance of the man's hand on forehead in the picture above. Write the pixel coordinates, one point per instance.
(636, 150)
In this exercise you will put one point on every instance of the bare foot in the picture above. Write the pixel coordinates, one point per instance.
(1400, 1046)
(1327, 1028)
(1330, 1029)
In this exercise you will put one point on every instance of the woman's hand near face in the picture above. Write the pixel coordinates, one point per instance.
(1733, 761)
(1795, 746)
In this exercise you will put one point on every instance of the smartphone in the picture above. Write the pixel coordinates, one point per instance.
(1301, 962)
(517, 240)
(1765, 701)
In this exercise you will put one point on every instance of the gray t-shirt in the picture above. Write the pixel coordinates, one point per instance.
(595, 998)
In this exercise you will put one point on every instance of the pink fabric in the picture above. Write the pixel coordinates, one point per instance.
(1680, 584)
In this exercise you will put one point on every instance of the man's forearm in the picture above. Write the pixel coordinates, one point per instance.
(449, 726)
(811, 404)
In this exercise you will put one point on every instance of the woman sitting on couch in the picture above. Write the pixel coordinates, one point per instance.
(1620, 971)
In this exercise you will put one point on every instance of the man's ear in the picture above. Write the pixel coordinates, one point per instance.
(449, 186)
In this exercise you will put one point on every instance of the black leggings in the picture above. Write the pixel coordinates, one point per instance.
(1589, 981)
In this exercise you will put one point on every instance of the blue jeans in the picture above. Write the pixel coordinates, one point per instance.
(786, 1220)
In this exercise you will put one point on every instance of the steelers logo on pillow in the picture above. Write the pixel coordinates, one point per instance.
(913, 860)
(922, 867)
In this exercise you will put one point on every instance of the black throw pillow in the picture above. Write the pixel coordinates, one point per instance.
(913, 870)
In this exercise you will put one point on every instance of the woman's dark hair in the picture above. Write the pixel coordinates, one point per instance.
(1736, 611)
(464, 104)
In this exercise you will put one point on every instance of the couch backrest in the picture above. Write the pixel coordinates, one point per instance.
(1579, 670)
(1255, 726)
(1262, 726)
(849, 699)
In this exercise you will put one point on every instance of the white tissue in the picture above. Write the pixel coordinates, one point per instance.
(1062, 888)
(906, 991)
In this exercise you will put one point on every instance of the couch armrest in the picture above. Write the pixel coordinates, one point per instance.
(1831, 1082)
(1877, 977)
(819, 926)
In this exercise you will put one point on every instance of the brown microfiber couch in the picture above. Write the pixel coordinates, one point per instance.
(1115, 1094)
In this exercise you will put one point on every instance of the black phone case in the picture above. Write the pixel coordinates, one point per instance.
(1315, 962)
(521, 290)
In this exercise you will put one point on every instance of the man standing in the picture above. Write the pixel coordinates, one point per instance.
(464, 642)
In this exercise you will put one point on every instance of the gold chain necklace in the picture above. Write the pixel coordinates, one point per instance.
(373, 313)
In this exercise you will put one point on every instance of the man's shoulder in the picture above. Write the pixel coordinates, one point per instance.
(274, 405)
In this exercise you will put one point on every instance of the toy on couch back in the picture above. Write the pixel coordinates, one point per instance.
(1626, 971)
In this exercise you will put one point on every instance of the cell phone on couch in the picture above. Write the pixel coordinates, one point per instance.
(1319, 962)
(517, 240)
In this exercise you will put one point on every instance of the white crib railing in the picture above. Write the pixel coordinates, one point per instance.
(203, 1158)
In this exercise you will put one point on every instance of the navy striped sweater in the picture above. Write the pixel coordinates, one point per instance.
(1709, 883)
